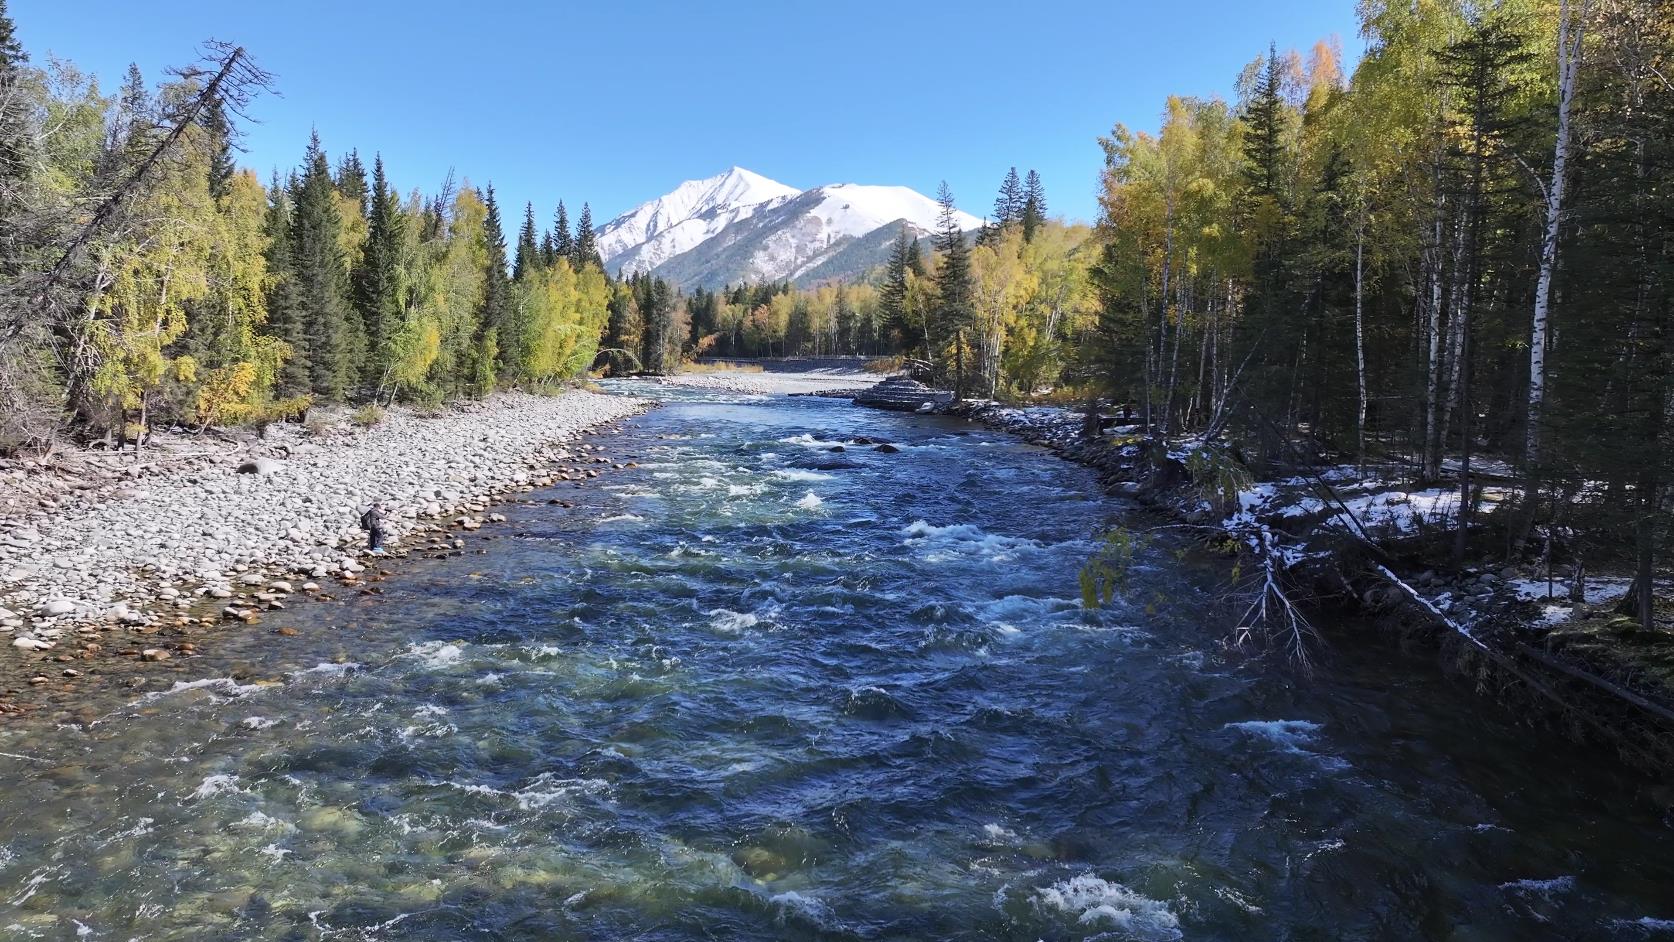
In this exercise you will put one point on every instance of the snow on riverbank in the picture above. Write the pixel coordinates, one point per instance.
(115, 553)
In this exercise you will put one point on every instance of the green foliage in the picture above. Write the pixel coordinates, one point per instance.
(1108, 573)
(368, 415)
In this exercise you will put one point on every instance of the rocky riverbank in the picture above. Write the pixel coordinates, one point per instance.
(240, 526)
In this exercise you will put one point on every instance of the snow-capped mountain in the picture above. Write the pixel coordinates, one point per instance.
(741, 226)
(654, 232)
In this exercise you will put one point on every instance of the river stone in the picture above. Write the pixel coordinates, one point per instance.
(259, 466)
(58, 607)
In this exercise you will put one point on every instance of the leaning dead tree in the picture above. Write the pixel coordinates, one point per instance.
(46, 302)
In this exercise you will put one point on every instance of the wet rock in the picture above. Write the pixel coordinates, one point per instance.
(155, 654)
(887, 449)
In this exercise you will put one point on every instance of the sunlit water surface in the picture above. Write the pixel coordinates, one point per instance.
(757, 688)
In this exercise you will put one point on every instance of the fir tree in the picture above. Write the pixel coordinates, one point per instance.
(332, 331)
(915, 259)
(585, 251)
(563, 244)
(377, 280)
(528, 250)
(1032, 212)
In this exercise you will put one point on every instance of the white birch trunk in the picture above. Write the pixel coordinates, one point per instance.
(1569, 60)
(1360, 335)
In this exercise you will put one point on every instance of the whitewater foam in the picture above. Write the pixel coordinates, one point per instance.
(730, 622)
(1096, 902)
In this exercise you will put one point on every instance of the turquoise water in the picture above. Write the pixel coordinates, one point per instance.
(756, 688)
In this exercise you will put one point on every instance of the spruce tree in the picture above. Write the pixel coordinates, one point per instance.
(494, 353)
(915, 259)
(1263, 121)
(892, 296)
(17, 144)
(563, 244)
(222, 165)
(1033, 211)
(377, 280)
(528, 250)
(585, 251)
(12, 56)
(286, 318)
(1008, 206)
(131, 130)
(332, 330)
(351, 180)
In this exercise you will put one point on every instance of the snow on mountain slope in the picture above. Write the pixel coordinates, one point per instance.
(834, 231)
(650, 234)
(742, 226)
(844, 211)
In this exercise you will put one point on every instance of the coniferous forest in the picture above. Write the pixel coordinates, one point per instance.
(1458, 250)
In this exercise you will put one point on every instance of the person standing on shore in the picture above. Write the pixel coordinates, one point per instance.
(372, 521)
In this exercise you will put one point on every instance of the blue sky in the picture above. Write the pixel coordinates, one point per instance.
(616, 102)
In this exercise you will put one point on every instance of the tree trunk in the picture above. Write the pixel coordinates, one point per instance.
(1360, 338)
(1570, 35)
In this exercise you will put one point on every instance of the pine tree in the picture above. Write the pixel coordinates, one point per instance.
(494, 353)
(953, 284)
(286, 318)
(915, 259)
(563, 244)
(377, 280)
(585, 251)
(1033, 211)
(332, 330)
(528, 250)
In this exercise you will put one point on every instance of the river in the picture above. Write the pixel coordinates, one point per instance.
(759, 688)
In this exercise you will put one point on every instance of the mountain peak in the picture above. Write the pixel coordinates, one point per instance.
(739, 225)
(651, 233)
